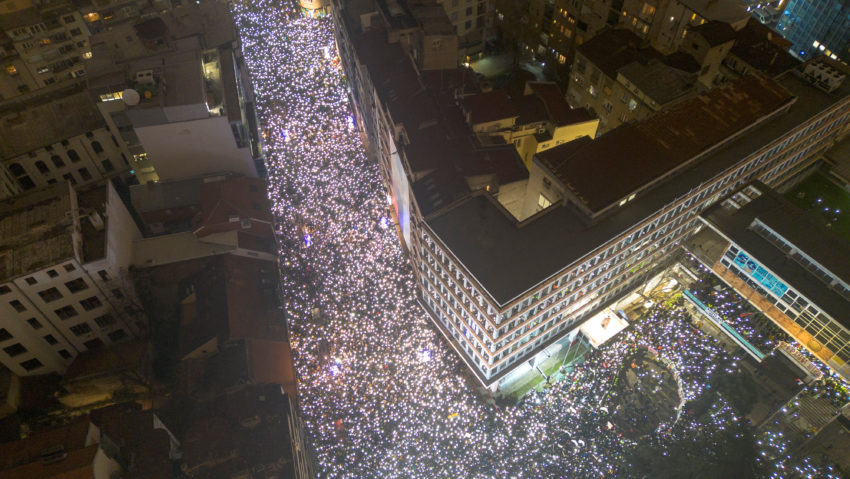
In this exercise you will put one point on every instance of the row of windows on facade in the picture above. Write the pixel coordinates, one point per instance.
(52, 273)
(647, 228)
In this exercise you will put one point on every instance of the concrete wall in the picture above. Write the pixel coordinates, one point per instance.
(192, 148)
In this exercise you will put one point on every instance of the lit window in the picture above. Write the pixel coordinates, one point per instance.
(117, 95)
(11, 70)
(92, 17)
(87, 55)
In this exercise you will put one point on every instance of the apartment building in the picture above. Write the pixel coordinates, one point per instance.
(64, 285)
(49, 40)
(503, 289)
(473, 23)
(186, 110)
(789, 266)
(56, 135)
(620, 81)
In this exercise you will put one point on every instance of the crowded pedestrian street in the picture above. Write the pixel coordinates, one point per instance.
(381, 392)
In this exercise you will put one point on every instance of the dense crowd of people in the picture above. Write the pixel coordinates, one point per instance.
(382, 394)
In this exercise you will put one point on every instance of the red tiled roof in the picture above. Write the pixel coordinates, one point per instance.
(225, 203)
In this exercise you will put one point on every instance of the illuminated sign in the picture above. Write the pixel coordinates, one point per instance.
(761, 275)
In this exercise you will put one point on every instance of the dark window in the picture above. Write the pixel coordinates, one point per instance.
(42, 168)
(15, 349)
(93, 343)
(65, 354)
(117, 335)
(95, 145)
(50, 294)
(81, 329)
(117, 293)
(50, 339)
(4, 335)
(65, 312)
(69, 267)
(32, 364)
(69, 178)
(107, 165)
(17, 170)
(57, 161)
(72, 154)
(104, 320)
(52, 273)
(65, 143)
(19, 307)
(5, 289)
(103, 275)
(76, 31)
(31, 281)
(76, 285)
(34, 323)
(90, 303)
(89, 134)
(84, 174)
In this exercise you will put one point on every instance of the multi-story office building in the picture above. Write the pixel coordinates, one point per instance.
(817, 28)
(186, 109)
(55, 135)
(789, 266)
(50, 40)
(503, 289)
(64, 285)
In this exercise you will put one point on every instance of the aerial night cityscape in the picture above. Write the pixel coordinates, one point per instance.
(424, 239)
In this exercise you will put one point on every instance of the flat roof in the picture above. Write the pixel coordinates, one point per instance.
(508, 260)
(651, 148)
(35, 231)
(798, 228)
(33, 121)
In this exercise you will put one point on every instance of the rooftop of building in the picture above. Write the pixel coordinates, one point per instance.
(714, 32)
(508, 260)
(233, 204)
(490, 106)
(763, 49)
(661, 83)
(442, 152)
(66, 439)
(174, 48)
(651, 148)
(78, 464)
(160, 195)
(612, 49)
(232, 432)
(114, 360)
(145, 449)
(35, 231)
(727, 11)
(41, 119)
(396, 14)
(797, 227)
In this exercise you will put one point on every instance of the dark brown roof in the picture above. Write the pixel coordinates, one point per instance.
(98, 362)
(611, 49)
(633, 155)
(715, 32)
(491, 106)
(557, 108)
(24, 451)
(763, 49)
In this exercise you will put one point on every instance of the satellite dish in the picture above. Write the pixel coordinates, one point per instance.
(131, 97)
